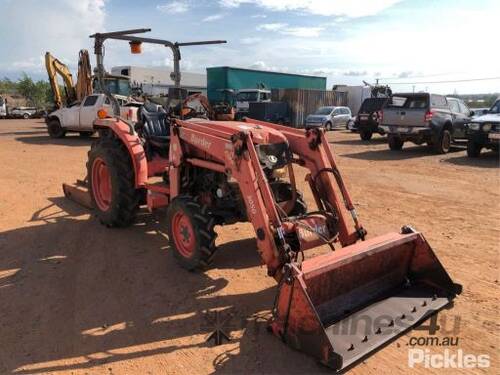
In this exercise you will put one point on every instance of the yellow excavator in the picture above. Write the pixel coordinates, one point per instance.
(86, 83)
(76, 92)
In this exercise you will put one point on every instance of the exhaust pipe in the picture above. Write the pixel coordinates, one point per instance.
(341, 306)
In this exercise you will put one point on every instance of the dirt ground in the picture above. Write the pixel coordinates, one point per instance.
(76, 297)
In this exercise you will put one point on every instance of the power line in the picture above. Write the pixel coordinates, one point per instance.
(450, 81)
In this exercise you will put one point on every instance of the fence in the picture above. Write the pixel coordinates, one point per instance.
(304, 102)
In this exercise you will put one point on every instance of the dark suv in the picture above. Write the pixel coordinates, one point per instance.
(425, 118)
(484, 131)
(369, 117)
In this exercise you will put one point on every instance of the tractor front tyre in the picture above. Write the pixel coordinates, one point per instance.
(112, 183)
(190, 229)
(55, 129)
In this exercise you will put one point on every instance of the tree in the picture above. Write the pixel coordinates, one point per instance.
(38, 94)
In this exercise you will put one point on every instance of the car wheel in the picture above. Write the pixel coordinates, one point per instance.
(443, 144)
(365, 135)
(395, 143)
(473, 149)
(55, 129)
(26, 116)
(328, 126)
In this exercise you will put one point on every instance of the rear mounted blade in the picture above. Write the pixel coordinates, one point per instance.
(341, 306)
(78, 193)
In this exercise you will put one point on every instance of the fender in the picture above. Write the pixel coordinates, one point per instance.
(133, 144)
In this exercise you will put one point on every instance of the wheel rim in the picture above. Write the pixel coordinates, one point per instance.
(101, 184)
(446, 141)
(183, 233)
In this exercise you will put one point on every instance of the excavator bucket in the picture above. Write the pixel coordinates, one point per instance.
(341, 306)
(78, 193)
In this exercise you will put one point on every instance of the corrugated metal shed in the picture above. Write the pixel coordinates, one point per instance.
(305, 102)
(226, 77)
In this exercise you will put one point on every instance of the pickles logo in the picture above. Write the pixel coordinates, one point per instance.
(448, 359)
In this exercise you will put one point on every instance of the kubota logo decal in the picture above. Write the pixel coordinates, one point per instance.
(200, 141)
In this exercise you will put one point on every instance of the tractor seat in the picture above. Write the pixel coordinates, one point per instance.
(155, 126)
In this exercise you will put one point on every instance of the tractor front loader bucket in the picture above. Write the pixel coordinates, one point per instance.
(78, 193)
(341, 306)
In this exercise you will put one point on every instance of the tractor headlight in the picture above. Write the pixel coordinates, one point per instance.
(486, 127)
(474, 126)
(274, 155)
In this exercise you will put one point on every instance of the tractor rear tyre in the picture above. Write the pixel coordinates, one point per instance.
(55, 129)
(112, 182)
(190, 229)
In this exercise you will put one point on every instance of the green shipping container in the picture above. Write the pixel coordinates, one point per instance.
(225, 77)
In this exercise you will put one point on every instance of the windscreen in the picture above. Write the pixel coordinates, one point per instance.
(247, 96)
(495, 108)
(372, 105)
(323, 111)
(410, 101)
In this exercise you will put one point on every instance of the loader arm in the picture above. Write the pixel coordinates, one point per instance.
(54, 67)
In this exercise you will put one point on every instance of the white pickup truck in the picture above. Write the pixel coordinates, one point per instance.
(80, 117)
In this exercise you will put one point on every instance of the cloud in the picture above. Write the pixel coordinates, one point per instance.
(405, 74)
(35, 27)
(261, 65)
(355, 73)
(259, 16)
(302, 32)
(250, 40)
(174, 7)
(352, 8)
(213, 17)
(283, 28)
(271, 26)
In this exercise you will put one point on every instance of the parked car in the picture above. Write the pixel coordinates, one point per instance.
(3, 107)
(425, 118)
(80, 117)
(484, 131)
(476, 112)
(329, 117)
(22, 112)
(352, 124)
(369, 117)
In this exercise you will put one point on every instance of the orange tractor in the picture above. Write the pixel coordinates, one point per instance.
(337, 307)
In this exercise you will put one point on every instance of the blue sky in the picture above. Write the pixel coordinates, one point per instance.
(396, 41)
